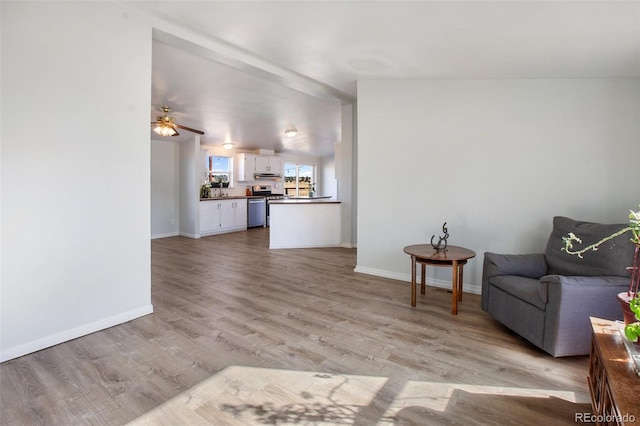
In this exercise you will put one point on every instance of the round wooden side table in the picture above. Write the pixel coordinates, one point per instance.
(454, 256)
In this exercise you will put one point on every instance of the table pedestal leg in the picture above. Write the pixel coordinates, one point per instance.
(461, 266)
(454, 287)
(422, 278)
(413, 281)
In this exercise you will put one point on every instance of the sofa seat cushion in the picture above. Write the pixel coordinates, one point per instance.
(526, 289)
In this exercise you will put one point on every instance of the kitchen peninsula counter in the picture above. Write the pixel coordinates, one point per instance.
(305, 223)
(305, 200)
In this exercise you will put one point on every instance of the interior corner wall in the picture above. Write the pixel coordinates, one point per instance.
(189, 197)
(75, 196)
(345, 154)
(165, 206)
(636, 148)
(327, 185)
(495, 159)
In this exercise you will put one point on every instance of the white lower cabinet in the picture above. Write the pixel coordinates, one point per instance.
(220, 216)
(209, 216)
(234, 214)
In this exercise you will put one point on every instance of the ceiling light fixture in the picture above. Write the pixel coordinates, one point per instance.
(165, 130)
(291, 132)
(165, 125)
(227, 145)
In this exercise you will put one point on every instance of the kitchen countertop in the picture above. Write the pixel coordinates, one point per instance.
(314, 200)
(305, 222)
(232, 197)
(320, 197)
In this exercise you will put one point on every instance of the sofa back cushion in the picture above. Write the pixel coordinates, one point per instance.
(611, 259)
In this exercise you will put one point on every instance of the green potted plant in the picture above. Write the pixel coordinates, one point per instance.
(205, 190)
(220, 181)
(632, 330)
(629, 300)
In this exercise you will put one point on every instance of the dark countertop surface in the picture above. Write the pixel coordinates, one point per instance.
(320, 197)
(314, 200)
(232, 197)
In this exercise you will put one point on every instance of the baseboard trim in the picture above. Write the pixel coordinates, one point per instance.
(170, 234)
(382, 273)
(83, 330)
(194, 236)
(278, 247)
(446, 284)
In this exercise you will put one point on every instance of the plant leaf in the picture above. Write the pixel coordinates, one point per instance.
(632, 331)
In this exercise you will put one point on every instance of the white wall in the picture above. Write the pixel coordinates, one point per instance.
(495, 159)
(165, 207)
(327, 183)
(189, 183)
(346, 172)
(75, 195)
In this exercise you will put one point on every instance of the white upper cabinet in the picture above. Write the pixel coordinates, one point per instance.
(268, 164)
(250, 164)
(246, 167)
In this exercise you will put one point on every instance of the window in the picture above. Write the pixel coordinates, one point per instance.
(298, 179)
(220, 170)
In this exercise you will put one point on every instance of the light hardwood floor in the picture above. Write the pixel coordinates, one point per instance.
(245, 335)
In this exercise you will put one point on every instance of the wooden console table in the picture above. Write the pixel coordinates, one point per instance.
(613, 381)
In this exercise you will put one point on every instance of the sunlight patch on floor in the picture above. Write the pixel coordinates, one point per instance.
(249, 396)
(436, 396)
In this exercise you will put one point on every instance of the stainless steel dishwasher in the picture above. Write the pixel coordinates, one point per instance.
(257, 212)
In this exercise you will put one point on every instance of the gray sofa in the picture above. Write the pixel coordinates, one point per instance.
(548, 298)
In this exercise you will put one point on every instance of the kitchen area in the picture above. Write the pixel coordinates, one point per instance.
(214, 202)
(237, 113)
(247, 192)
(258, 180)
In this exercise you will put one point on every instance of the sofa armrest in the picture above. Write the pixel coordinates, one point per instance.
(572, 281)
(524, 265)
(573, 286)
(571, 301)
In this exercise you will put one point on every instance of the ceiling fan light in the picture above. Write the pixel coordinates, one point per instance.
(291, 132)
(227, 145)
(164, 130)
(165, 126)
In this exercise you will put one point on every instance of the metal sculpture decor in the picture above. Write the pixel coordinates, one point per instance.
(439, 247)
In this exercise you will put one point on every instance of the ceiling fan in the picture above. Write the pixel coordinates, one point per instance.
(165, 126)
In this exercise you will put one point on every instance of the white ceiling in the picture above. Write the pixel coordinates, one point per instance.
(251, 69)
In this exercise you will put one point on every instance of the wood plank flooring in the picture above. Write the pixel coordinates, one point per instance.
(245, 335)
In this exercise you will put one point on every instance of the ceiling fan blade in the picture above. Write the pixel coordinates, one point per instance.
(189, 129)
